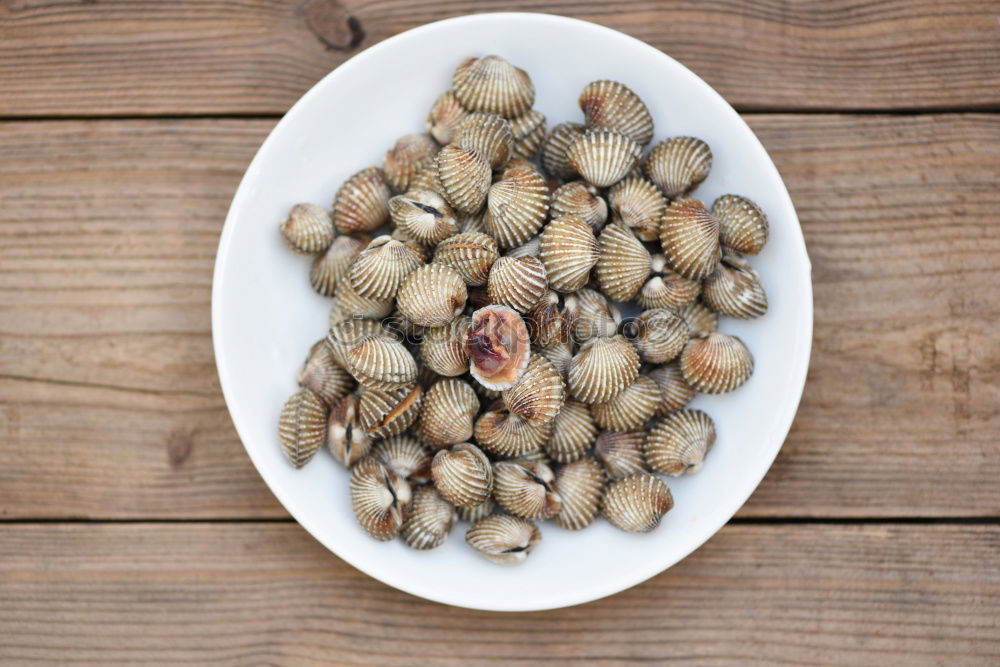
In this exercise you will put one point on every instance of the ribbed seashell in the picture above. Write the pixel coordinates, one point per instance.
(678, 443)
(446, 418)
(406, 456)
(462, 475)
(602, 369)
(504, 539)
(473, 222)
(637, 504)
(352, 305)
(362, 202)
(302, 426)
(388, 413)
(555, 149)
(432, 296)
(494, 85)
(538, 394)
(410, 154)
(592, 314)
(621, 452)
(445, 116)
(402, 327)
(308, 229)
(516, 206)
(331, 266)
(530, 248)
(666, 288)
(580, 485)
(517, 282)
(443, 348)
(504, 434)
(429, 520)
(423, 216)
(529, 131)
(582, 200)
(743, 226)
(427, 179)
(659, 335)
(636, 203)
(524, 488)
(346, 334)
(623, 264)
(700, 320)
(610, 105)
(675, 392)
(573, 432)
(630, 409)
(568, 250)
(382, 362)
(488, 134)
(690, 238)
(734, 289)
(549, 324)
(465, 178)
(323, 375)
(561, 356)
(379, 497)
(379, 269)
(476, 512)
(678, 165)
(470, 254)
(603, 157)
(498, 347)
(345, 438)
(716, 363)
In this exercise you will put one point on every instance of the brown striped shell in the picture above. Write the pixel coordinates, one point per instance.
(666, 288)
(678, 165)
(548, 322)
(530, 248)
(524, 488)
(603, 157)
(517, 282)
(700, 320)
(409, 155)
(516, 206)
(494, 85)
(380, 268)
(443, 348)
(573, 432)
(321, 373)
(405, 455)
(623, 264)
(529, 131)
(621, 452)
(569, 251)
(331, 266)
(716, 363)
(630, 409)
(583, 200)
(432, 296)
(637, 504)
(423, 216)
(345, 438)
(602, 369)
(504, 434)
(611, 105)
(637, 204)
(592, 315)
(561, 356)
(743, 226)
(538, 394)
(465, 178)
(734, 289)
(659, 335)
(382, 362)
(445, 116)
(388, 413)
(487, 134)
(678, 443)
(308, 229)
(473, 222)
(302, 427)
(580, 485)
(471, 254)
(555, 149)
(447, 415)
(346, 334)
(675, 392)
(427, 179)
(462, 475)
(379, 498)
(504, 539)
(476, 512)
(429, 521)
(689, 235)
(351, 305)
(362, 202)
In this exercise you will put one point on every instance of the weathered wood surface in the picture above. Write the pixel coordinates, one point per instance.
(110, 406)
(146, 57)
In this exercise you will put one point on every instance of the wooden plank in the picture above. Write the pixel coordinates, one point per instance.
(144, 57)
(109, 403)
(268, 593)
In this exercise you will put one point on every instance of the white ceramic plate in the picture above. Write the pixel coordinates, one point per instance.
(265, 315)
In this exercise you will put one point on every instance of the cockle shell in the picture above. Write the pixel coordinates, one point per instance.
(603, 157)
(462, 475)
(476, 512)
(573, 431)
(445, 116)
(610, 105)
(465, 178)
(516, 206)
(530, 248)
(690, 238)
(423, 215)
(743, 226)
(308, 229)
(504, 539)
(580, 485)
(380, 268)
(555, 148)
(717, 363)
(666, 288)
(346, 334)
(582, 200)
(387, 413)
(362, 202)
(443, 348)
(379, 497)
(623, 264)
(487, 134)
(678, 443)
(592, 315)
(675, 392)
(517, 282)
(331, 266)
(524, 488)
(637, 204)
(548, 321)
(432, 296)
(382, 362)
(427, 179)
(629, 409)
(678, 165)
(529, 131)
(659, 335)
(538, 394)
(410, 154)
(492, 84)
(621, 452)
(446, 418)
(471, 254)
(568, 250)
(473, 222)
(302, 426)
(637, 503)
(352, 305)
(406, 456)
(429, 521)
(602, 369)
(504, 434)
(700, 320)
(498, 347)
(323, 375)
(345, 438)
(561, 356)
(734, 289)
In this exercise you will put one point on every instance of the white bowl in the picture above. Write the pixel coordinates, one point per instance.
(265, 315)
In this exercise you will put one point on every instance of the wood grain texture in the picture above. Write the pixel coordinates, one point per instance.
(145, 57)
(109, 402)
(267, 593)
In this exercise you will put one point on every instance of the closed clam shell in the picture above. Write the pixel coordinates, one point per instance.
(516, 206)
(476, 512)
(538, 394)
(331, 266)
(382, 362)
(323, 375)
(443, 348)
(580, 485)
(465, 178)
(678, 443)
(529, 131)
(352, 305)
(427, 179)
(525, 489)
(302, 426)
(555, 149)
(623, 264)
(308, 229)
(689, 235)
(637, 503)
(743, 226)
(630, 409)
(405, 455)
(580, 199)
(498, 347)
(592, 315)
(362, 202)
(573, 432)
(561, 356)
(388, 413)
(603, 157)
(345, 438)
(735, 290)
(700, 320)
(568, 250)
(462, 475)
(504, 539)
(424, 216)
(445, 116)
(494, 85)
(473, 222)
(548, 322)
(530, 248)
(602, 369)
(678, 164)
(488, 134)
(665, 288)
(675, 392)
(429, 520)
(621, 452)
(447, 415)
(380, 268)
(611, 105)
(379, 498)
(659, 335)
(471, 254)
(344, 335)
(504, 434)
(517, 282)
(716, 363)
(637, 204)
(410, 154)
(432, 296)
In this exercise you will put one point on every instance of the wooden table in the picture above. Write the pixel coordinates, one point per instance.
(134, 528)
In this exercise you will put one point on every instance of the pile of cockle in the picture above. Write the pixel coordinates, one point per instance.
(476, 365)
